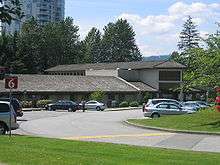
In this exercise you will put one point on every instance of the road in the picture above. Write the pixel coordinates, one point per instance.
(109, 127)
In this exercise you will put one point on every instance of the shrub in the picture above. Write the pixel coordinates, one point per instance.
(97, 95)
(43, 103)
(26, 104)
(124, 104)
(134, 104)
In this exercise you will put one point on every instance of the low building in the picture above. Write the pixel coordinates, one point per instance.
(162, 76)
(119, 81)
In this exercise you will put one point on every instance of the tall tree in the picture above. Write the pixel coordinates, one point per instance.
(189, 37)
(118, 43)
(91, 46)
(29, 47)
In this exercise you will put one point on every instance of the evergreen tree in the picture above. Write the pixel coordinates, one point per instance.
(91, 46)
(189, 37)
(118, 43)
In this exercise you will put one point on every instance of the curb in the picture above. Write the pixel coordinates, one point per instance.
(123, 109)
(172, 130)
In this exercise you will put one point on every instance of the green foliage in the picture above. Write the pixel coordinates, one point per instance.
(147, 96)
(189, 37)
(27, 104)
(97, 95)
(134, 104)
(10, 10)
(203, 64)
(124, 104)
(43, 103)
(91, 46)
(118, 43)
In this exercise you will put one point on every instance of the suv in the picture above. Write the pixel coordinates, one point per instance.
(16, 105)
(5, 113)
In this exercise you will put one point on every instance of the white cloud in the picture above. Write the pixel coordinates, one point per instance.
(164, 29)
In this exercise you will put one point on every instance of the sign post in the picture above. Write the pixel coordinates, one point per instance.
(11, 82)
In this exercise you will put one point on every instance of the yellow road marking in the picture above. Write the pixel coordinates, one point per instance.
(116, 136)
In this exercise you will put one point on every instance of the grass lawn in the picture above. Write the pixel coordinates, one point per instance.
(23, 150)
(205, 120)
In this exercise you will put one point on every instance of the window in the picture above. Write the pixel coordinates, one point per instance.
(174, 107)
(162, 106)
(4, 107)
(169, 75)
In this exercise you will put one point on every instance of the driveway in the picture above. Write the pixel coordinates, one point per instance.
(108, 127)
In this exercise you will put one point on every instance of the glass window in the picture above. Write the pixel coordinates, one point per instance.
(4, 108)
(169, 75)
(162, 106)
(174, 107)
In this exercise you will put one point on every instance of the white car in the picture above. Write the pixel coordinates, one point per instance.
(95, 105)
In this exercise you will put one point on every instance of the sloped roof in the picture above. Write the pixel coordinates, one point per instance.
(61, 83)
(120, 65)
(143, 87)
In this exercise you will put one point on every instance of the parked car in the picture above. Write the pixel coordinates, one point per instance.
(95, 105)
(191, 106)
(164, 108)
(5, 112)
(198, 103)
(152, 102)
(203, 104)
(63, 105)
(16, 105)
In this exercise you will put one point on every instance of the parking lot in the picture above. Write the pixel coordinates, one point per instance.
(109, 127)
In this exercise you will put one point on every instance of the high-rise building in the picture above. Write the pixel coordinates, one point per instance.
(43, 11)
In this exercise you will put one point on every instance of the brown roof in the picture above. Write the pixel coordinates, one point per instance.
(61, 83)
(143, 87)
(122, 65)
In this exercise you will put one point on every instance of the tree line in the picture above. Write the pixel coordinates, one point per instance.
(36, 47)
(201, 56)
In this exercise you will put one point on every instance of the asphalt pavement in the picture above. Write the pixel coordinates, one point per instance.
(109, 127)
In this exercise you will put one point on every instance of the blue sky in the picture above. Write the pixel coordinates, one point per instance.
(157, 23)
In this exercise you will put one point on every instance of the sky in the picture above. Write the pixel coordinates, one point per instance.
(157, 23)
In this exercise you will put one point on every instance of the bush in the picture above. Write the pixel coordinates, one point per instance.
(97, 95)
(26, 104)
(124, 104)
(43, 103)
(134, 104)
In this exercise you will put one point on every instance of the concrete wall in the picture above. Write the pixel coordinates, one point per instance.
(150, 77)
(102, 72)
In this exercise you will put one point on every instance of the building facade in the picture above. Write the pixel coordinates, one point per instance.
(43, 11)
(163, 76)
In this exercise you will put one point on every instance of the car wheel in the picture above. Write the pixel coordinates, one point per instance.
(70, 110)
(98, 108)
(155, 115)
(2, 129)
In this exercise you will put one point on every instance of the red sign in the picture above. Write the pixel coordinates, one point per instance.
(11, 82)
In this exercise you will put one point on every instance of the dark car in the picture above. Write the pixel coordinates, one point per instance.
(63, 105)
(16, 105)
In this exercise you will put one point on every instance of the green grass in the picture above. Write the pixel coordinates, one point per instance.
(41, 151)
(205, 120)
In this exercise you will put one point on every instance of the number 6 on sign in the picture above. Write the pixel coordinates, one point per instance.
(11, 82)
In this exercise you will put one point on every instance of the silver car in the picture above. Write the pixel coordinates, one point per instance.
(165, 108)
(95, 105)
(5, 112)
